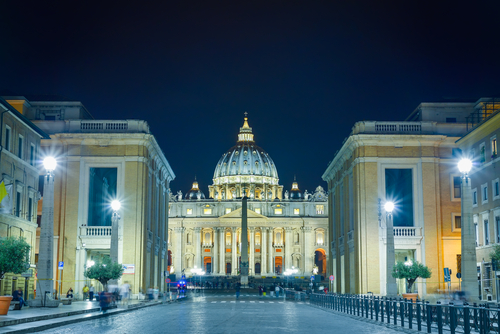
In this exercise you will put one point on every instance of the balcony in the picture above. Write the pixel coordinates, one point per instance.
(207, 245)
(96, 231)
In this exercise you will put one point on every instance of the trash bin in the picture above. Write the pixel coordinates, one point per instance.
(272, 293)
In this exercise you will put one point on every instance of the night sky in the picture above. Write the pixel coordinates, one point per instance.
(305, 71)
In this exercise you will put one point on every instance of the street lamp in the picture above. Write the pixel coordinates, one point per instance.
(45, 267)
(391, 287)
(468, 262)
(115, 218)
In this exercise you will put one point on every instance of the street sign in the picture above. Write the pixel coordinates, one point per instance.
(332, 278)
(447, 273)
(459, 275)
(167, 280)
(312, 278)
(61, 265)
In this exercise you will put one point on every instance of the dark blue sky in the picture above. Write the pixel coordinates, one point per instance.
(305, 71)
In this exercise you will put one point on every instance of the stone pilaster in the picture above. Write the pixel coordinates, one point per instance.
(222, 251)
(270, 250)
(234, 253)
(178, 265)
(287, 257)
(215, 251)
(307, 250)
(263, 250)
(198, 258)
(252, 251)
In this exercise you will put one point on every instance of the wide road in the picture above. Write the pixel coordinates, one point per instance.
(222, 313)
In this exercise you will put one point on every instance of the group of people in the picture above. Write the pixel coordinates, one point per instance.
(88, 292)
(275, 287)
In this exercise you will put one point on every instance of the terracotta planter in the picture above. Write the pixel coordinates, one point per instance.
(411, 296)
(4, 304)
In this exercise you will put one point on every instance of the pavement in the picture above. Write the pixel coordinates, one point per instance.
(29, 320)
(223, 313)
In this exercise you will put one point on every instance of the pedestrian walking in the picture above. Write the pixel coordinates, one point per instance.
(91, 292)
(277, 290)
(238, 288)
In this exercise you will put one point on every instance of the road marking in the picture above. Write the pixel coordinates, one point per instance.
(223, 301)
(261, 302)
(233, 301)
(242, 301)
(271, 302)
(252, 301)
(214, 302)
(281, 302)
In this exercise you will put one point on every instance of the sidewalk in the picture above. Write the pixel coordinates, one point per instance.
(28, 320)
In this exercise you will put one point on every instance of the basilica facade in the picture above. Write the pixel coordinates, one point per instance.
(286, 228)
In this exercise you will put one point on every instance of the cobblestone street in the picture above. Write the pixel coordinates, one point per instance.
(224, 314)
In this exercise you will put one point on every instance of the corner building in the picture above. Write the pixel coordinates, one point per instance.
(414, 164)
(98, 161)
(286, 228)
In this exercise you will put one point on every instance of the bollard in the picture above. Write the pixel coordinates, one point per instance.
(395, 312)
(388, 309)
(410, 314)
(428, 316)
(376, 309)
(453, 318)
(439, 315)
(382, 310)
(402, 311)
(419, 316)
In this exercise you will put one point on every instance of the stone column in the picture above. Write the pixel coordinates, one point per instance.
(178, 251)
(215, 249)
(270, 251)
(198, 258)
(287, 257)
(263, 250)
(252, 251)
(234, 253)
(307, 250)
(222, 251)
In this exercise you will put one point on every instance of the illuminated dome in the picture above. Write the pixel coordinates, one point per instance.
(245, 168)
(195, 192)
(295, 191)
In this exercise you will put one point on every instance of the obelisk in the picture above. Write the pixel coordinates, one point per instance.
(244, 243)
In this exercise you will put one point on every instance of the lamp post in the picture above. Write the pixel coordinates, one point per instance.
(468, 261)
(391, 287)
(45, 267)
(199, 272)
(115, 218)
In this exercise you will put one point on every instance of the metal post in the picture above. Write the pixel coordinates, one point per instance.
(402, 311)
(382, 310)
(410, 314)
(466, 319)
(395, 305)
(419, 316)
(439, 315)
(391, 287)
(428, 316)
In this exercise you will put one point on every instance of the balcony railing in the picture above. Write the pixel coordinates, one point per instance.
(96, 231)
(407, 231)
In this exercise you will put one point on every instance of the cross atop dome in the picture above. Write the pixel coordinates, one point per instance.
(245, 134)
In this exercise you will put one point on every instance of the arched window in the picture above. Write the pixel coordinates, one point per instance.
(257, 238)
(320, 237)
(207, 238)
(228, 238)
(278, 238)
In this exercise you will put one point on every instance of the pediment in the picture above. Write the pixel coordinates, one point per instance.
(237, 214)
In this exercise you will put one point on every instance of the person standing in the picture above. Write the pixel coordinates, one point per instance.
(238, 288)
(91, 292)
(85, 291)
(277, 290)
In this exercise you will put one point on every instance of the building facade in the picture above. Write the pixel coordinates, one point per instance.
(480, 145)
(98, 161)
(285, 228)
(412, 163)
(19, 167)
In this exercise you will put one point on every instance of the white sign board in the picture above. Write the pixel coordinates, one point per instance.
(128, 268)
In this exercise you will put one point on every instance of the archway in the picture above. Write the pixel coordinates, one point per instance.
(320, 261)
(278, 265)
(207, 263)
(257, 268)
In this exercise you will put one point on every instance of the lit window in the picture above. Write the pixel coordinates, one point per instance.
(189, 211)
(296, 211)
(32, 155)
(319, 237)
(228, 238)
(320, 209)
(228, 210)
(278, 211)
(207, 211)
(257, 210)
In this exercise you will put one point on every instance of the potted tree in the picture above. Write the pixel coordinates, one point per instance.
(410, 271)
(14, 258)
(103, 270)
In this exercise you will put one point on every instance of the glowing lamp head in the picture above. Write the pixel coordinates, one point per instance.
(49, 163)
(116, 205)
(464, 166)
(389, 207)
